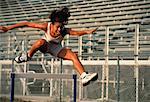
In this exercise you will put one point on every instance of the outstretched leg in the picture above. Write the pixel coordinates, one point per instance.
(67, 54)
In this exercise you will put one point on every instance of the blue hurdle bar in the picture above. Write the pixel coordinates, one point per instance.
(75, 87)
(12, 87)
(39, 75)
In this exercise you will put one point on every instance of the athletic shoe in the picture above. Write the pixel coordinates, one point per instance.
(21, 58)
(87, 78)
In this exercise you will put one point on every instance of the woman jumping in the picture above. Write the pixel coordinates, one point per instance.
(51, 42)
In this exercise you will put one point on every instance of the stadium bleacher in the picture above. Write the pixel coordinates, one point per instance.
(84, 14)
(122, 19)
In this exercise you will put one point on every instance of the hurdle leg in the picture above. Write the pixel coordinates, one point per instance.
(75, 87)
(12, 87)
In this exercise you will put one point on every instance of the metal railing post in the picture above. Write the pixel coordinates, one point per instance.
(118, 79)
(12, 83)
(75, 88)
(136, 50)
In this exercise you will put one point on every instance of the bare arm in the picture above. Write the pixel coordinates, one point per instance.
(23, 24)
(82, 32)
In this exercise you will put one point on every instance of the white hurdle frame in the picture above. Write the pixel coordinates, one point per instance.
(41, 76)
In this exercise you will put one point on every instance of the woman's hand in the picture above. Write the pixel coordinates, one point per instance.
(91, 31)
(4, 29)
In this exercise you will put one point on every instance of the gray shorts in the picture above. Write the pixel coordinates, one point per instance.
(54, 48)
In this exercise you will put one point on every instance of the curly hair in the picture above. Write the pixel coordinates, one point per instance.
(60, 15)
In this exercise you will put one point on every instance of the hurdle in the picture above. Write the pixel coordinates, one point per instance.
(43, 76)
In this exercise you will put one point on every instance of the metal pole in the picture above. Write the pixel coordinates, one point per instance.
(103, 83)
(61, 86)
(12, 87)
(9, 44)
(12, 83)
(61, 71)
(136, 61)
(106, 61)
(0, 79)
(75, 88)
(51, 80)
(118, 79)
(79, 54)
(24, 48)
(105, 71)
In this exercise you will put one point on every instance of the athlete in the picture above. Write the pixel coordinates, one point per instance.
(51, 42)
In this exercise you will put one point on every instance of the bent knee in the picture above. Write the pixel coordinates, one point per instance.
(67, 54)
(73, 55)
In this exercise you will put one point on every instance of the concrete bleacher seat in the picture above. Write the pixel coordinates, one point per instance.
(119, 18)
(117, 14)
